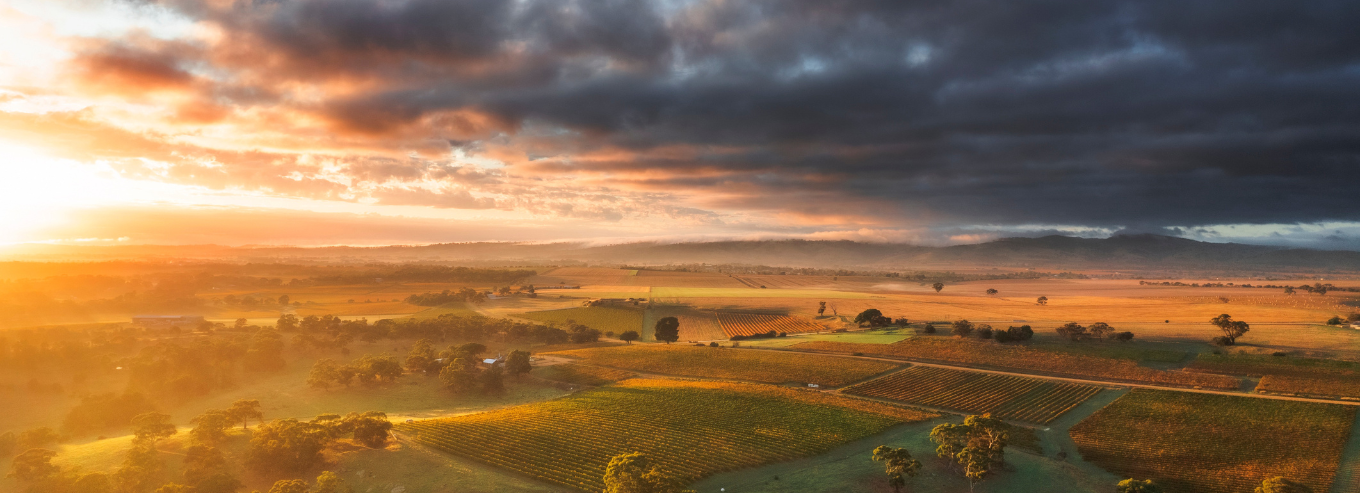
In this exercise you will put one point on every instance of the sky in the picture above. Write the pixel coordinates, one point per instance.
(366, 122)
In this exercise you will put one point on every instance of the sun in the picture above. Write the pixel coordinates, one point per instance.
(38, 192)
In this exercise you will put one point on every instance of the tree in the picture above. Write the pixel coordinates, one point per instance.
(962, 328)
(821, 308)
(991, 292)
(324, 371)
(984, 331)
(899, 465)
(1100, 330)
(289, 486)
(1289, 290)
(938, 286)
(370, 428)
(493, 381)
(667, 330)
(928, 328)
(240, 324)
(873, 317)
(148, 428)
(287, 323)
(1073, 331)
(629, 336)
(1336, 321)
(284, 299)
(460, 376)
(1137, 486)
(244, 409)
(33, 464)
(329, 482)
(1021, 333)
(1125, 336)
(1280, 484)
(287, 445)
(421, 356)
(634, 473)
(975, 445)
(1043, 300)
(976, 464)
(1232, 329)
(518, 362)
(211, 427)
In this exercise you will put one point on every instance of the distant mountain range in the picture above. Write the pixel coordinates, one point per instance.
(1136, 253)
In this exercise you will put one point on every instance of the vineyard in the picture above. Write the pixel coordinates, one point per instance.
(695, 325)
(746, 324)
(1000, 356)
(738, 364)
(603, 318)
(1005, 396)
(1209, 443)
(709, 428)
(1288, 375)
(582, 374)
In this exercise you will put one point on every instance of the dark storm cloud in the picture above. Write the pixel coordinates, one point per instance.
(1095, 113)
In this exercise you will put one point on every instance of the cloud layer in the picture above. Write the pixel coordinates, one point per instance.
(884, 115)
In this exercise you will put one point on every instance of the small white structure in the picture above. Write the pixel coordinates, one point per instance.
(814, 386)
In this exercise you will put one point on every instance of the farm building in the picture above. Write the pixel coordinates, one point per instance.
(166, 320)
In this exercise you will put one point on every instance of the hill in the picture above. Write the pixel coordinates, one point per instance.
(1131, 253)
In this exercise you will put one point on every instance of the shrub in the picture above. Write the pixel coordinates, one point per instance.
(962, 328)
(1223, 341)
(1021, 333)
(929, 329)
(1335, 321)
(1125, 336)
(984, 331)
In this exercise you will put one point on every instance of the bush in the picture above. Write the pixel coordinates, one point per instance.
(984, 331)
(1335, 321)
(1122, 336)
(962, 328)
(929, 329)
(1223, 341)
(1021, 333)
(1002, 336)
(713, 344)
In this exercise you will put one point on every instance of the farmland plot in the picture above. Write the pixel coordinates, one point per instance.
(603, 318)
(1190, 442)
(1008, 356)
(746, 324)
(737, 364)
(1005, 396)
(709, 428)
(1288, 375)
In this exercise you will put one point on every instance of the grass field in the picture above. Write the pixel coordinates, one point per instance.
(1288, 374)
(582, 374)
(737, 364)
(707, 428)
(1190, 442)
(1005, 356)
(603, 318)
(1008, 397)
(746, 324)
